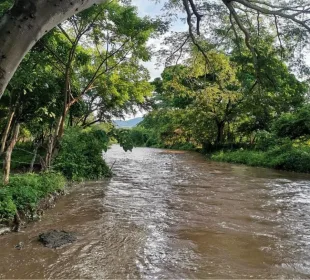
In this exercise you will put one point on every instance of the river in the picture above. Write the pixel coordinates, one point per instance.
(172, 214)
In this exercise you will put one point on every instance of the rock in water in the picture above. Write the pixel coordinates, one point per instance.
(56, 238)
(19, 246)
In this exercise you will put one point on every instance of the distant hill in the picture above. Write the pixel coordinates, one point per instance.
(129, 123)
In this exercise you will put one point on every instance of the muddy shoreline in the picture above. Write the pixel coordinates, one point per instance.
(22, 218)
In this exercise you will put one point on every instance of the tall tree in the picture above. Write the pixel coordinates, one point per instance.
(92, 49)
(215, 100)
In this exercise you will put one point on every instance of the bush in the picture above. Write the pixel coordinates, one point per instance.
(139, 136)
(184, 146)
(293, 125)
(289, 158)
(285, 157)
(7, 206)
(80, 154)
(25, 191)
(253, 158)
(265, 140)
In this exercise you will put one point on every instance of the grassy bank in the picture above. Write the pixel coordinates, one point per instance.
(79, 158)
(287, 157)
(269, 150)
(25, 192)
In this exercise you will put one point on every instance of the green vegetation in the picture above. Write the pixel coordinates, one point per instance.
(56, 112)
(80, 155)
(25, 191)
(64, 83)
(279, 157)
(222, 109)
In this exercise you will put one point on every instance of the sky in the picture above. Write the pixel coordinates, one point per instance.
(153, 9)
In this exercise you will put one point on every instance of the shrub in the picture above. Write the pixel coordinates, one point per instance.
(289, 158)
(184, 146)
(265, 140)
(7, 206)
(139, 136)
(80, 154)
(285, 157)
(293, 125)
(26, 190)
(253, 158)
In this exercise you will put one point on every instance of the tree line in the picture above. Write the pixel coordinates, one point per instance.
(228, 104)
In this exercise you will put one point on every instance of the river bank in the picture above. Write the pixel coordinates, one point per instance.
(26, 197)
(290, 159)
(287, 157)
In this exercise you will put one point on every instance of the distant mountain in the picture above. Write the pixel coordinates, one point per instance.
(129, 123)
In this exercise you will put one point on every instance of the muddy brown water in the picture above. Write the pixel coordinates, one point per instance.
(169, 214)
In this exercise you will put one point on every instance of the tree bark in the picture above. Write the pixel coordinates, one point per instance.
(35, 153)
(66, 105)
(52, 141)
(252, 138)
(23, 25)
(6, 132)
(220, 132)
(8, 155)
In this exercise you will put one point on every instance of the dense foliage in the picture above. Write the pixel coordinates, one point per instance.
(85, 71)
(222, 105)
(25, 191)
(80, 154)
(286, 156)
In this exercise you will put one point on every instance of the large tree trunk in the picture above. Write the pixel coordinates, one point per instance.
(220, 132)
(8, 155)
(6, 132)
(23, 25)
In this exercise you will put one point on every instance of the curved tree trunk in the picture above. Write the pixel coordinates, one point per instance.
(23, 25)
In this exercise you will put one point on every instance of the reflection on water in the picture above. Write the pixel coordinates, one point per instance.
(169, 214)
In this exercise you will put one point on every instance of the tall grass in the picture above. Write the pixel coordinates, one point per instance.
(279, 157)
